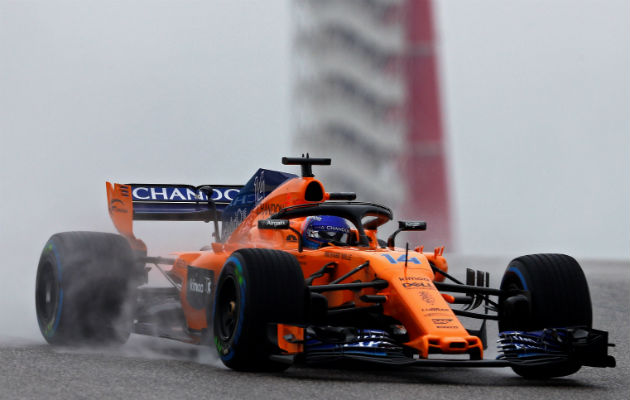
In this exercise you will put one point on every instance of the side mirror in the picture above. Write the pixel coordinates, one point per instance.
(280, 224)
(406, 226)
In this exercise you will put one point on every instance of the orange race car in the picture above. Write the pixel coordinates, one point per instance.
(296, 273)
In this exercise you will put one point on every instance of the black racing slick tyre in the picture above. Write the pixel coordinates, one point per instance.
(256, 287)
(559, 298)
(84, 292)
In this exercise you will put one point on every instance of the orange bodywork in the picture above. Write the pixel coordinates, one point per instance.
(411, 297)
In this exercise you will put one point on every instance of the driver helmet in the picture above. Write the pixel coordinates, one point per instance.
(322, 229)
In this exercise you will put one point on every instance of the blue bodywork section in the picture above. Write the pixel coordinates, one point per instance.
(363, 342)
(533, 344)
(146, 210)
(255, 190)
(233, 203)
(581, 345)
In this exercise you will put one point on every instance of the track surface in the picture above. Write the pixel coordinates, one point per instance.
(149, 368)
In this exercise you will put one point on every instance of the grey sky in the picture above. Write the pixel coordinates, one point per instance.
(537, 109)
(535, 93)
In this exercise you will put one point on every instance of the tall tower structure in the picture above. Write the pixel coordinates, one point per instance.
(366, 95)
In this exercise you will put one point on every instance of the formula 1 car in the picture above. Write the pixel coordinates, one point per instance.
(298, 274)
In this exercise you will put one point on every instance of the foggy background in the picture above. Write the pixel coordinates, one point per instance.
(535, 97)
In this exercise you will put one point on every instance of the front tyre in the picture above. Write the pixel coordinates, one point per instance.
(256, 287)
(559, 298)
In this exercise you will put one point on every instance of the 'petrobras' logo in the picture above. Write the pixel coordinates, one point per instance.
(180, 193)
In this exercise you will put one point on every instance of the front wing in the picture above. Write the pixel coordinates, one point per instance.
(517, 348)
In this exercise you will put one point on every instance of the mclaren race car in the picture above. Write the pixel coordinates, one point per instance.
(298, 274)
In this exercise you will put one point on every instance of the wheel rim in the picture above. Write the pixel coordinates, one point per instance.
(47, 294)
(227, 308)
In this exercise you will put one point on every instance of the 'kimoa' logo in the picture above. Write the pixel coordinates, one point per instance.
(199, 287)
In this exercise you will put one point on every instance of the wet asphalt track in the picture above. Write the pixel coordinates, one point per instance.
(149, 368)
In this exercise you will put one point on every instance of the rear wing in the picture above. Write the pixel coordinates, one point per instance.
(157, 202)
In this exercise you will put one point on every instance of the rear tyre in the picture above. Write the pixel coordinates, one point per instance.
(559, 299)
(256, 287)
(84, 291)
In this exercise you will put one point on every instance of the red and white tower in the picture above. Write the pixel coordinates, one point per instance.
(424, 158)
(366, 94)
